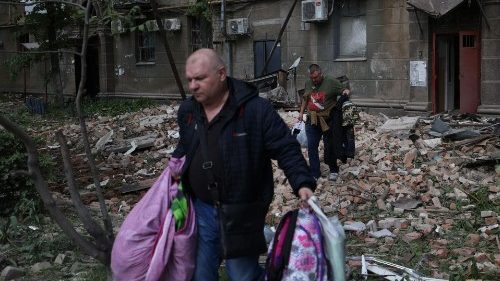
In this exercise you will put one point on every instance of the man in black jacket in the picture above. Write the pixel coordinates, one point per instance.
(229, 171)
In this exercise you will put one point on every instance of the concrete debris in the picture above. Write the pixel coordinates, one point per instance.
(11, 273)
(402, 123)
(381, 233)
(354, 226)
(104, 140)
(402, 169)
(39, 266)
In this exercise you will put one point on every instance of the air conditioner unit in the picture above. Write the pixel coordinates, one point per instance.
(172, 24)
(117, 27)
(314, 10)
(237, 26)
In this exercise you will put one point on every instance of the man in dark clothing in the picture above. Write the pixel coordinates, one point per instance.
(242, 133)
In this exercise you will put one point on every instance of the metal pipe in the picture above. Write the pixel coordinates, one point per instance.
(223, 18)
(223, 30)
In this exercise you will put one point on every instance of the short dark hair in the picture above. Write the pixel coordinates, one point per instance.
(314, 67)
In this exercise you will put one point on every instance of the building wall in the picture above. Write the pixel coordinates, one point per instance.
(32, 79)
(396, 35)
(379, 80)
(154, 79)
(490, 59)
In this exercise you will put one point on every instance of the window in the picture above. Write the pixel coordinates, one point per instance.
(468, 41)
(351, 30)
(21, 39)
(201, 34)
(145, 46)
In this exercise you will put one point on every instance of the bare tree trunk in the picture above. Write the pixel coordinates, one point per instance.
(55, 69)
(94, 229)
(101, 249)
(41, 186)
(83, 127)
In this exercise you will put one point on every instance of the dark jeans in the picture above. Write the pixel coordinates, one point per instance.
(207, 256)
(314, 135)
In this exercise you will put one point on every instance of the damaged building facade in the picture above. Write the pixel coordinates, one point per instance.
(400, 56)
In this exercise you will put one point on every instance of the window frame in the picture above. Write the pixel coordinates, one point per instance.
(145, 54)
(339, 14)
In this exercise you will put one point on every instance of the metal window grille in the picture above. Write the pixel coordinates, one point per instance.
(469, 41)
(145, 46)
(201, 34)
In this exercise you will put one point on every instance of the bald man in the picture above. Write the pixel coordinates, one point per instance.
(228, 171)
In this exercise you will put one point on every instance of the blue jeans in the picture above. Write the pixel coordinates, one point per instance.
(207, 257)
(314, 135)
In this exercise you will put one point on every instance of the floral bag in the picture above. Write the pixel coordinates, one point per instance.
(296, 252)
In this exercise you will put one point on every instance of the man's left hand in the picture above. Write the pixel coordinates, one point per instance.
(305, 193)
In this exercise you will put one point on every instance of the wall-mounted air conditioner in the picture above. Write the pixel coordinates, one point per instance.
(117, 27)
(314, 10)
(237, 26)
(172, 24)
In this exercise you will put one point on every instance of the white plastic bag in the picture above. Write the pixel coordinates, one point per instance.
(334, 236)
(299, 129)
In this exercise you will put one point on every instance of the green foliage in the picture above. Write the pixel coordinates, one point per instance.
(15, 64)
(52, 24)
(98, 273)
(28, 207)
(113, 107)
(200, 9)
(13, 158)
(19, 196)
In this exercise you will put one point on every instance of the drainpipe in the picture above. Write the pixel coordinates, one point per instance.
(229, 49)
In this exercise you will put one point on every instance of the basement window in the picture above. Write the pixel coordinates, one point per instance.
(145, 47)
(350, 32)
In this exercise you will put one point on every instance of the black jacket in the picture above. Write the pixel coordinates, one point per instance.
(250, 138)
(341, 145)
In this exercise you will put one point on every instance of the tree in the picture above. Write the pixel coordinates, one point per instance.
(101, 243)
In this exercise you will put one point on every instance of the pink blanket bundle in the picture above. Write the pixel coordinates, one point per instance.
(147, 246)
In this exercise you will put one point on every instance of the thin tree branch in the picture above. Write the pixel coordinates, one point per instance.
(20, 173)
(93, 169)
(90, 224)
(154, 6)
(41, 2)
(46, 196)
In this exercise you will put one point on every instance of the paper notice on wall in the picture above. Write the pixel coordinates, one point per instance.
(418, 73)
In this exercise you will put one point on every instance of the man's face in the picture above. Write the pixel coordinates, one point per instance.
(316, 77)
(206, 82)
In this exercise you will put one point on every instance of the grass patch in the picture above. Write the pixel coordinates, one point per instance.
(113, 107)
(97, 273)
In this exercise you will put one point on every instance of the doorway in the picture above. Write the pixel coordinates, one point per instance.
(447, 70)
(456, 71)
(92, 84)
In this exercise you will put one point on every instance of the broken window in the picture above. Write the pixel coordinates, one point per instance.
(350, 32)
(145, 46)
(261, 51)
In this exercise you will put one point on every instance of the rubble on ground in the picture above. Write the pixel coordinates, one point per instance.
(415, 186)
